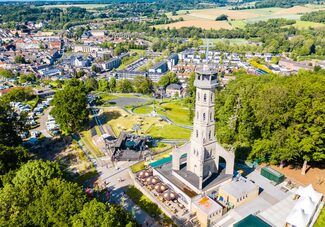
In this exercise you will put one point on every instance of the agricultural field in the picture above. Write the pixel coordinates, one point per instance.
(205, 18)
(308, 24)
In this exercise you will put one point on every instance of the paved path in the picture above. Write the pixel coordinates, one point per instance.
(42, 123)
(112, 176)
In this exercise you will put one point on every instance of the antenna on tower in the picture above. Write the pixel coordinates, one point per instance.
(207, 52)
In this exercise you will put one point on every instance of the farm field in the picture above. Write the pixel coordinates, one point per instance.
(307, 24)
(205, 18)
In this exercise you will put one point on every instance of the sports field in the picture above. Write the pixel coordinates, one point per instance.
(205, 18)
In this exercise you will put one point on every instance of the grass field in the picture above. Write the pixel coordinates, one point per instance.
(119, 120)
(176, 111)
(167, 131)
(86, 138)
(320, 222)
(307, 24)
(205, 18)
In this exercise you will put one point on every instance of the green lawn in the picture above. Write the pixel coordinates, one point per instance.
(143, 109)
(86, 138)
(168, 131)
(238, 23)
(177, 111)
(138, 167)
(150, 207)
(320, 222)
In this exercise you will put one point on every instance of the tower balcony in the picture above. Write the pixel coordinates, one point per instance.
(206, 84)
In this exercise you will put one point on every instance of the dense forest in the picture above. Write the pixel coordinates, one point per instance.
(283, 3)
(43, 193)
(318, 16)
(57, 18)
(276, 35)
(274, 118)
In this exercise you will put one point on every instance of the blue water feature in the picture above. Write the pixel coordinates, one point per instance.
(163, 161)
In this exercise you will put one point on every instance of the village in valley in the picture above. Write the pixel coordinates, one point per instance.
(188, 116)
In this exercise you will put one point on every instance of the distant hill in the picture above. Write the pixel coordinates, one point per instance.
(284, 3)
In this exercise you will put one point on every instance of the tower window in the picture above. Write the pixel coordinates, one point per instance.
(209, 134)
(211, 97)
(203, 116)
(198, 96)
(199, 77)
(210, 116)
(197, 133)
(205, 97)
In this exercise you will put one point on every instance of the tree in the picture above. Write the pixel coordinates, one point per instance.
(95, 69)
(80, 73)
(118, 217)
(20, 59)
(124, 86)
(103, 85)
(59, 200)
(112, 84)
(222, 17)
(30, 77)
(11, 125)
(274, 119)
(142, 85)
(18, 94)
(70, 108)
(91, 84)
(167, 79)
(11, 158)
(6, 73)
(94, 213)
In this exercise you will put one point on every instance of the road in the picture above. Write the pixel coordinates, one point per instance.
(42, 123)
(111, 176)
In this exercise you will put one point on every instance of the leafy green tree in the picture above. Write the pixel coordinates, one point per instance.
(118, 217)
(91, 84)
(70, 108)
(20, 59)
(30, 77)
(112, 84)
(142, 85)
(6, 73)
(11, 125)
(95, 69)
(11, 158)
(103, 85)
(276, 119)
(18, 94)
(58, 202)
(124, 86)
(167, 79)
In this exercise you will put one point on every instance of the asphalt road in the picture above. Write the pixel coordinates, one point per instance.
(42, 123)
(111, 176)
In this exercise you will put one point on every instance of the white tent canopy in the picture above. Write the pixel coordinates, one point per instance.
(304, 210)
(309, 192)
(298, 218)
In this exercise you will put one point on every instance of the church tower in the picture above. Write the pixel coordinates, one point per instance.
(200, 159)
